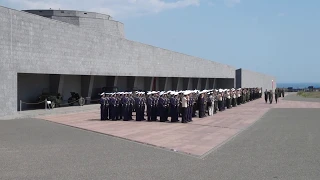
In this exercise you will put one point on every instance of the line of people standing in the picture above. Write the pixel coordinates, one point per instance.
(184, 104)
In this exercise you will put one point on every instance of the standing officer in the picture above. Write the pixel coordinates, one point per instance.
(149, 106)
(102, 107)
(184, 105)
(270, 96)
(266, 93)
(276, 95)
(174, 108)
(106, 108)
(125, 107)
(137, 107)
(161, 108)
(112, 107)
(201, 105)
(154, 107)
(215, 102)
(143, 105)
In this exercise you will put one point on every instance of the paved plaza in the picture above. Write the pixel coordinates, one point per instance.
(197, 138)
(252, 141)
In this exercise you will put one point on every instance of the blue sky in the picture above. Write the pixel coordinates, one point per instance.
(277, 37)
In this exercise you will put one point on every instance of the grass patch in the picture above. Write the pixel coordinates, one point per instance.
(309, 94)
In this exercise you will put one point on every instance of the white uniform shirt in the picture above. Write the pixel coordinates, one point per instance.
(184, 102)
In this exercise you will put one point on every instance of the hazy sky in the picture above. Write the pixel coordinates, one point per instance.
(277, 37)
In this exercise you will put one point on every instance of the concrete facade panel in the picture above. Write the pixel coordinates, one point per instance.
(255, 79)
(45, 46)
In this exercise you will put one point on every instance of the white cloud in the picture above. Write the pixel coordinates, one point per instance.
(232, 3)
(117, 8)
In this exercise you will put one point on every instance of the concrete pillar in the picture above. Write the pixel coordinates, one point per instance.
(207, 84)
(199, 84)
(115, 82)
(152, 84)
(179, 84)
(61, 82)
(148, 83)
(135, 83)
(168, 84)
(90, 86)
(190, 86)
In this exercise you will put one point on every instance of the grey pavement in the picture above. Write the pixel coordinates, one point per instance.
(295, 97)
(60, 110)
(283, 144)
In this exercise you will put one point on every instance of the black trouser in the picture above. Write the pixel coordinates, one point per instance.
(102, 113)
(220, 105)
(215, 106)
(184, 115)
(154, 113)
(174, 114)
(149, 112)
(106, 112)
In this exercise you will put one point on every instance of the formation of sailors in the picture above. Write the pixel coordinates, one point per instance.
(173, 104)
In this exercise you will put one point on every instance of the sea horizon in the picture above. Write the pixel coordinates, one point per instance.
(298, 85)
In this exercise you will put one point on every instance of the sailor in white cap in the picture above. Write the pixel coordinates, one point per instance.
(234, 97)
(220, 100)
(174, 104)
(201, 105)
(228, 99)
(239, 96)
(102, 107)
(184, 105)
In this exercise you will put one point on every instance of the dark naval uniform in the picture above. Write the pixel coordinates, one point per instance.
(174, 109)
(125, 108)
(112, 108)
(149, 107)
(201, 106)
(102, 109)
(266, 96)
(270, 96)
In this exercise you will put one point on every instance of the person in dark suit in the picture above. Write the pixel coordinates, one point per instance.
(174, 102)
(266, 95)
(270, 96)
(102, 107)
(277, 95)
(149, 106)
(201, 105)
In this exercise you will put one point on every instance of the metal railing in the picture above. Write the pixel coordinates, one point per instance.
(47, 104)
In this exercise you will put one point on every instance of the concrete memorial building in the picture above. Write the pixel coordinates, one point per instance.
(66, 51)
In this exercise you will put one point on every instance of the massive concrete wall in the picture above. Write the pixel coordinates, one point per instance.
(34, 44)
(250, 79)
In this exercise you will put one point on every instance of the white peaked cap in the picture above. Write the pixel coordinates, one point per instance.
(102, 94)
